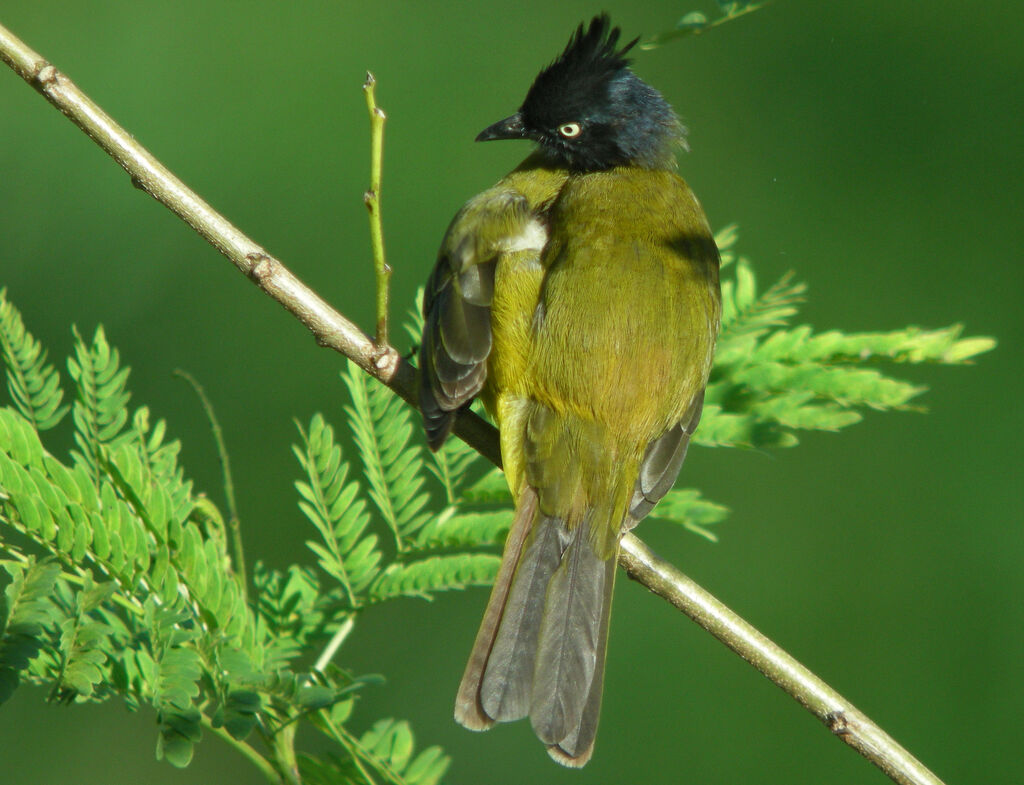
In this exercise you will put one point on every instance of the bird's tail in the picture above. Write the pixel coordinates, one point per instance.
(541, 645)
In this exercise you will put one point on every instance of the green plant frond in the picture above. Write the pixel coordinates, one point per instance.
(147, 608)
(238, 713)
(393, 466)
(910, 345)
(697, 22)
(414, 323)
(161, 458)
(329, 769)
(423, 577)
(336, 509)
(726, 239)
(100, 411)
(391, 745)
(33, 383)
(770, 380)
(452, 464)
(85, 640)
(20, 441)
(457, 528)
(747, 314)
(492, 488)
(292, 609)
(174, 684)
(686, 507)
(848, 387)
(26, 609)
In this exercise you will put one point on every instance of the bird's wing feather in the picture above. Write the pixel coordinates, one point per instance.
(662, 461)
(457, 305)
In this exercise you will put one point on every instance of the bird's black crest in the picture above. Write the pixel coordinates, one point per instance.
(580, 76)
(589, 112)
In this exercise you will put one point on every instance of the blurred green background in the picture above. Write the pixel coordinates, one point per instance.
(874, 147)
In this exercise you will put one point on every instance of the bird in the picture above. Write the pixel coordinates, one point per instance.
(579, 299)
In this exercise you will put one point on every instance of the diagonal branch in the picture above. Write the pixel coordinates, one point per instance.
(332, 330)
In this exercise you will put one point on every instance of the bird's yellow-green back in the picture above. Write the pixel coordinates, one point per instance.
(610, 328)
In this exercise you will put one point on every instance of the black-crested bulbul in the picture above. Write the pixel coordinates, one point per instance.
(579, 298)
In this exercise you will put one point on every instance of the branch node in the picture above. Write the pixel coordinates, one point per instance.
(838, 722)
(262, 267)
(385, 359)
(45, 77)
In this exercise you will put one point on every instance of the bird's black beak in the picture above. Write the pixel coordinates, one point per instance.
(509, 128)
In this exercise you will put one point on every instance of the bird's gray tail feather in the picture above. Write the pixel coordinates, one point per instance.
(541, 647)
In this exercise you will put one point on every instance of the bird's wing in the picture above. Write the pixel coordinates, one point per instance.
(661, 463)
(457, 303)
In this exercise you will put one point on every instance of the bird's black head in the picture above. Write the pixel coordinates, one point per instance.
(589, 112)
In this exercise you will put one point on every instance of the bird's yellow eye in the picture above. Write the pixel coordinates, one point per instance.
(570, 130)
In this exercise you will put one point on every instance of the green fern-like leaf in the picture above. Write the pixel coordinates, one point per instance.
(745, 314)
(414, 321)
(770, 381)
(170, 672)
(492, 488)
(910, 345)
(423, 577)
(100, 410)
(34, 384)
(382, 428)
(688, 508)
(456, 528)
(291, 611)
(161, 458)
(697, 23)
(334, 506)
(25, 611)
(84, 642)
(239, 713)
(391, 745)
(452, 465)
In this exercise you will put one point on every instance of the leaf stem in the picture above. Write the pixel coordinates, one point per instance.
(234, 524)
(265, 767)
(284, 751)
(334, 644)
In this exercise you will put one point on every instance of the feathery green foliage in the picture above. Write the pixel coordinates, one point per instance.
(118, 579)
(770, 381)
(331, 503)
(382, 427)
(33, 383)
(697, 22)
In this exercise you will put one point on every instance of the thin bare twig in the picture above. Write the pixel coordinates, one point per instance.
(383, 362)
(372, 200)
(234, 523)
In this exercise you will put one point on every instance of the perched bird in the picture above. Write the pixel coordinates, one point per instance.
(579, 298)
